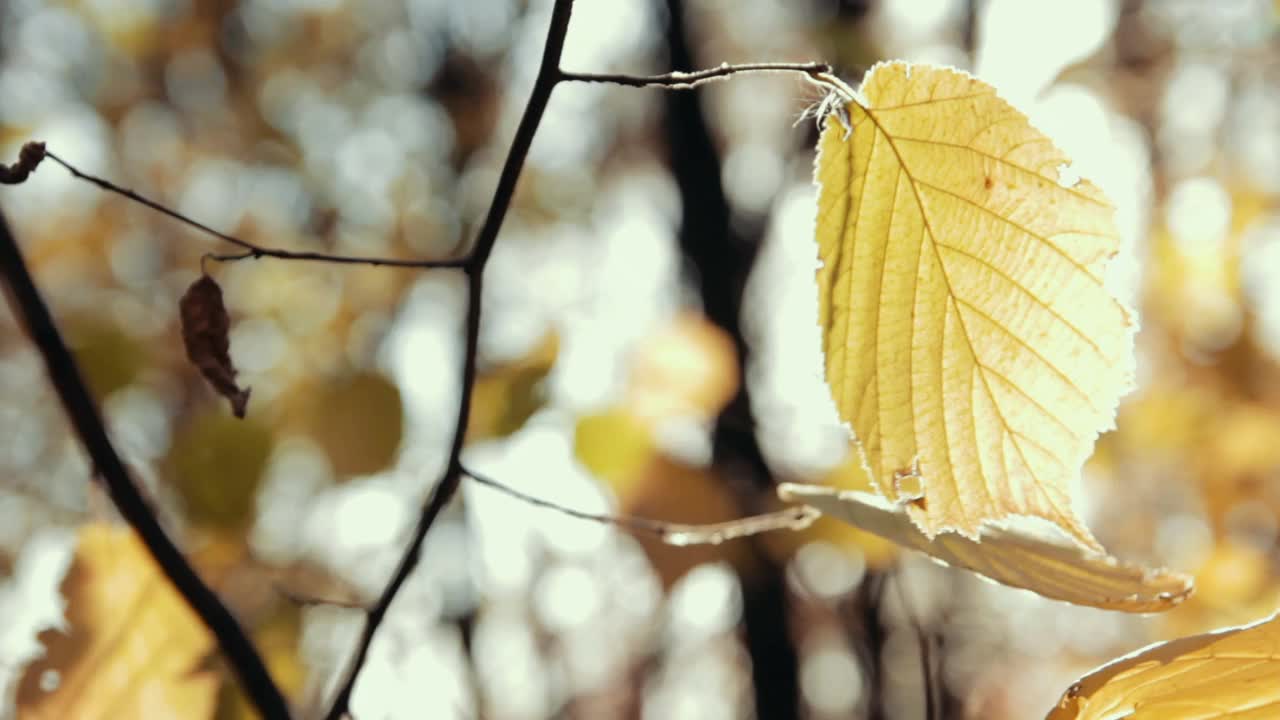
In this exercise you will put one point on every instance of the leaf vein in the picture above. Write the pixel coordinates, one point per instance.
(1004, 422)
(1009, 164)
(1031, 349)
(1046, 239)
(930, 101)
(1027, 291)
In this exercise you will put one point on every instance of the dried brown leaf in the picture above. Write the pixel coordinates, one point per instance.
(205, 332)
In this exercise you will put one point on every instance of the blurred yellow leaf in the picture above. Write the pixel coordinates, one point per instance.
(970, 341)
(1232, 575)
(1230, 673)
(1053, 566)
(505, 397)
(688, 369)
(358, 419)
(216, 464)
(132, 648)
(614, 446)
(106, 353)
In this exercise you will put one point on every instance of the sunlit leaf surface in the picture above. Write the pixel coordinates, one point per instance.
(1232, 673)
(970, 341)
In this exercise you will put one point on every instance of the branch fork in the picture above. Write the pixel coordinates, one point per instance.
(87, 421)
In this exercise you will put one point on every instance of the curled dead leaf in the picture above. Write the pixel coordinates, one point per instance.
(205, 333)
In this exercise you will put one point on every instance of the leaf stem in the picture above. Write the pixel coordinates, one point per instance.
(251, 250)
(690, 80)
(679, 534)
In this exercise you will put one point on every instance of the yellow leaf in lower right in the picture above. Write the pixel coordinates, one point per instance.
(1230, 673)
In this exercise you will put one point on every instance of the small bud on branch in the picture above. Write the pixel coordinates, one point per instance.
(30, 156)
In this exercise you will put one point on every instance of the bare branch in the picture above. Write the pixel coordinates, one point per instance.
(548, 77)
(689, 80)
(252, 250)
(87, 422)
(678, 534)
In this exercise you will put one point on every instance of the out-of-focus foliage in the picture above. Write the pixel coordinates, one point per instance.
(379, 127)
(130, 645)
(358, 419)
(506, 397)
(217, 464)
(683, 374)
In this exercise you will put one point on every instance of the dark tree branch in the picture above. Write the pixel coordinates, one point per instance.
(690, 80)
(722, 255)
(924, 646)
(29, 306)
(868, 634)
(548, 77)
(251, 250)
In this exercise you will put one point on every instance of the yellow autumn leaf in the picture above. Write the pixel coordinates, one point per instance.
(1231, 673)
(970, 341)
(1024, 557)
(130, 648)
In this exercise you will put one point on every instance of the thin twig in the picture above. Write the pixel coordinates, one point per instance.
(689, 80)
(680, 534)
(253, 250)
(305, 600)
(923, 644)
(548, 77)
(87, 422)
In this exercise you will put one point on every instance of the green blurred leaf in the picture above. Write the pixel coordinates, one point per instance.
(109, 357)
(216, 463)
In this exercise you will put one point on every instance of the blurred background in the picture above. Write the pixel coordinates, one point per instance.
(649, 345)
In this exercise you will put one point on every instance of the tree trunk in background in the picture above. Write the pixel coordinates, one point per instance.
(721, 257)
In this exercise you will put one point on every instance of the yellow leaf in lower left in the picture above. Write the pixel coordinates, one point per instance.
(130, 647)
